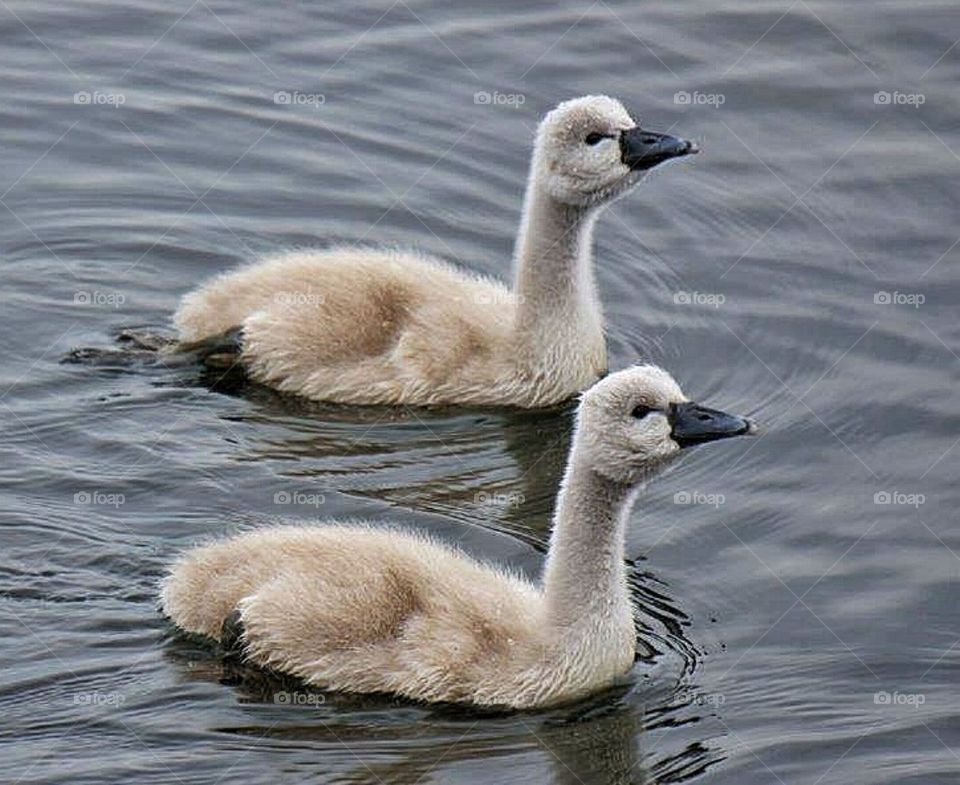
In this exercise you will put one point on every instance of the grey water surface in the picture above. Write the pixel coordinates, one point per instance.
(798, 589)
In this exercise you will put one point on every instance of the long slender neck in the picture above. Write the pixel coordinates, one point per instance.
(554, 282)
(585, 578)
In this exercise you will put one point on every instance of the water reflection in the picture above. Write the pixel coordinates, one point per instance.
(614, 737)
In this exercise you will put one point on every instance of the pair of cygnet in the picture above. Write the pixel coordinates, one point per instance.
(364, 609)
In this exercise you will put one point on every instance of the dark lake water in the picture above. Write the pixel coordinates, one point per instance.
(799, 588)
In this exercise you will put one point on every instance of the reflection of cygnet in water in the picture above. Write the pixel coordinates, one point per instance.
(355, 608)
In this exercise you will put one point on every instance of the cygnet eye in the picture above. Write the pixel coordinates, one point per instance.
(640, 411)
(595, 138)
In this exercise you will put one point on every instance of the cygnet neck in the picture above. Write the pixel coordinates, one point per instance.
(554, 280)
(585, 578)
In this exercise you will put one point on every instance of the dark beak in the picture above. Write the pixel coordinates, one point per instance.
(642, 150)
(695, 424)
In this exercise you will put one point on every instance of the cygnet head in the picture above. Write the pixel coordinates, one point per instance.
(635, 419)
(590, 150)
